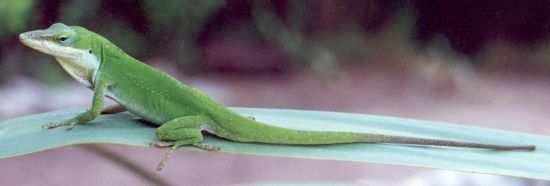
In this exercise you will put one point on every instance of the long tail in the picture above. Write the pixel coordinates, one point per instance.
(378, 138)
(247, 130)
(299, 137)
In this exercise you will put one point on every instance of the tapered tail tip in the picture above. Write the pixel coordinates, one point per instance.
(521, 148)
(530, 148)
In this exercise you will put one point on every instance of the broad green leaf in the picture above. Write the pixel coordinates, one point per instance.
(24, 135)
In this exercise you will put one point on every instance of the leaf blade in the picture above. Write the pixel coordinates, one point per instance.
(24, 135)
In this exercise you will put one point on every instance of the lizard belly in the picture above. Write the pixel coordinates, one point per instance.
(153, 108)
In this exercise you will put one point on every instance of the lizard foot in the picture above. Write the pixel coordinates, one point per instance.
(69, 123)
(206, 147)
(162, 144)
(167, 156)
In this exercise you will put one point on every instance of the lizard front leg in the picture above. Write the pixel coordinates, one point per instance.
(90, 114)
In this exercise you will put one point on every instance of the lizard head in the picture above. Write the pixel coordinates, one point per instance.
(72, 46)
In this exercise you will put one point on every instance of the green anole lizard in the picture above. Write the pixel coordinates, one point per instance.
(181, 111)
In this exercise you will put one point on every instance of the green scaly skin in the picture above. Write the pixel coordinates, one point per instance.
(181, 111)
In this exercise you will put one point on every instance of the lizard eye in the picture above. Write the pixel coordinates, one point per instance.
(63, 38)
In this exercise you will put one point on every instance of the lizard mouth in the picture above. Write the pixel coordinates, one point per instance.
(29, 39)
(40, 40)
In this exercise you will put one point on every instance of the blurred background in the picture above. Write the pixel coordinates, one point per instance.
(484, 64)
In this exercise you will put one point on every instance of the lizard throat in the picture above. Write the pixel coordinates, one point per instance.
(82, 68)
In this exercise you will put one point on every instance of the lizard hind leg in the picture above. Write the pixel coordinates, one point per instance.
(179, 132)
